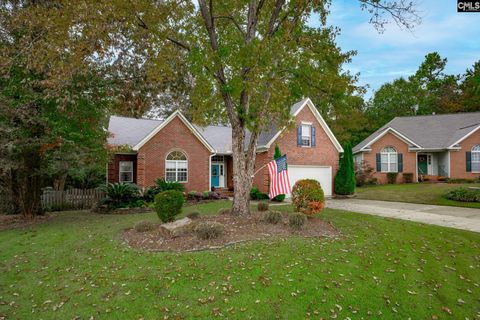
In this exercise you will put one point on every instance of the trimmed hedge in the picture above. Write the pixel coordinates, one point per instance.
(464, 194)
(392, 177)
(168, 204)
(407, 177)
(255, 194)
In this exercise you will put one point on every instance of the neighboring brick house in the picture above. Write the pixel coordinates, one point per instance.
(201, 157)
(429, 147)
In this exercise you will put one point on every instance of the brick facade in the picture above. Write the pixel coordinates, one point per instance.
(458, 159)
(323, 154)
(149, 162)
(113, 166)
(391, 140)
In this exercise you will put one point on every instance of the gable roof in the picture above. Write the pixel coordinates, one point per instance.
(443, 131)
(217, 139)
(129, 131)
(295, 110)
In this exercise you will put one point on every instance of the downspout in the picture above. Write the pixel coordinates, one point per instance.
(416, 164)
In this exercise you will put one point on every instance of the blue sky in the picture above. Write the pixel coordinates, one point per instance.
(396, 52)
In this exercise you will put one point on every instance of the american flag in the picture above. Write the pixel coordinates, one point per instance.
(279, 182)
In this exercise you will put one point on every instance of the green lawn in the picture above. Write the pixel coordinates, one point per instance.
(76, 266)
(428, 193)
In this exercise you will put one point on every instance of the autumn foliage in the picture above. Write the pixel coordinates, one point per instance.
(308, 197)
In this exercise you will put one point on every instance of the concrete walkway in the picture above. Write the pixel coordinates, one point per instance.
(453, 217)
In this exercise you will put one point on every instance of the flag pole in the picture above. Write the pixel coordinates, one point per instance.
(259, 170)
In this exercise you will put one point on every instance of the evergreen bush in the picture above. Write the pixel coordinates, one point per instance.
(344, 183)
(168, 204)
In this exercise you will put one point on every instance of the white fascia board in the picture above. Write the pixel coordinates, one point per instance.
(464, 137)
(320, 120)
(166, 122)
(396, 133)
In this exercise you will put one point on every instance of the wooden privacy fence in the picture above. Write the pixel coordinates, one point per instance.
(53, 200)
(71, 199)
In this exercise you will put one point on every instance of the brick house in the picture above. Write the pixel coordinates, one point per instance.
(429, 146)
(201, 157)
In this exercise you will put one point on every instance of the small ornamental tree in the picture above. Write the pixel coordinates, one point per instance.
(345, 178)
(277, 155)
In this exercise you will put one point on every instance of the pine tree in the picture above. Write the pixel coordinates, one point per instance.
(345, 178)
(277, 155)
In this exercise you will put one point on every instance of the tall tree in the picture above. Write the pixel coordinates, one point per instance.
(51, 111)
(249, 60)
(470, 88)
(429, 91)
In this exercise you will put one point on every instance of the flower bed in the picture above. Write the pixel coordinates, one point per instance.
(235, 229)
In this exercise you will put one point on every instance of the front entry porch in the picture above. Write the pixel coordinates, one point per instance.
(432, 165)
(220, 172)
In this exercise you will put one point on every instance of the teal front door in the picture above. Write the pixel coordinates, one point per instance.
(215, 175)
(422, 164)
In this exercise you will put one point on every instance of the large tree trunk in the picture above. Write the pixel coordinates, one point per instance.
(31, 188)
(243, 169)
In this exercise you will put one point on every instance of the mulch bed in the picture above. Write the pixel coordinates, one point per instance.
(15, 221)
(236, 229)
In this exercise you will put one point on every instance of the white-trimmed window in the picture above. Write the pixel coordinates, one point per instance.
(176, 167)
(125, 169)
(306, 135)
(476, 158)
(389, 159)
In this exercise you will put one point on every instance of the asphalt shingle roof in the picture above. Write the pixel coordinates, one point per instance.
(130, 131)
(430, 131)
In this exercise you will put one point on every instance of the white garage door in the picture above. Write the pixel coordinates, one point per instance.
(321, 174)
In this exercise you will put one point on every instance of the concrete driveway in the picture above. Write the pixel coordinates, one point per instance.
(453, 217)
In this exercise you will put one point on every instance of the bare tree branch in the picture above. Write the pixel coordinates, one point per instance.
(403, 13)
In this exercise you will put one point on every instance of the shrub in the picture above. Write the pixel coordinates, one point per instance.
(193, 215)
(297, 220)
(169, 185)
(273, 217)
(344, 183)
(191, 195)
(364, 174)
(160, 186)
(255, 194)
(262, 206)
(279, 198)
(120, 195)
(206, 195)
(144, 226)
(209, 230)
(224, 211)
(407, 177)
(136, 203)
(464, 194)
(306, 191)
(392, 177)
(168, 204)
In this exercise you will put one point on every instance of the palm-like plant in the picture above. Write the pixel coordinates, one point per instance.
(121, 192)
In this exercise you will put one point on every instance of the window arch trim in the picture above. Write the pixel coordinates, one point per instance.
(389, 159)
(176, 168)
(475, 158)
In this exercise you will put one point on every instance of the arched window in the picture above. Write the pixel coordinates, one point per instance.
(476, 158)
(389, 159)
(176, 167)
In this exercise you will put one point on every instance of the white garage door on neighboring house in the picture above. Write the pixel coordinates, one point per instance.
(322, 174)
